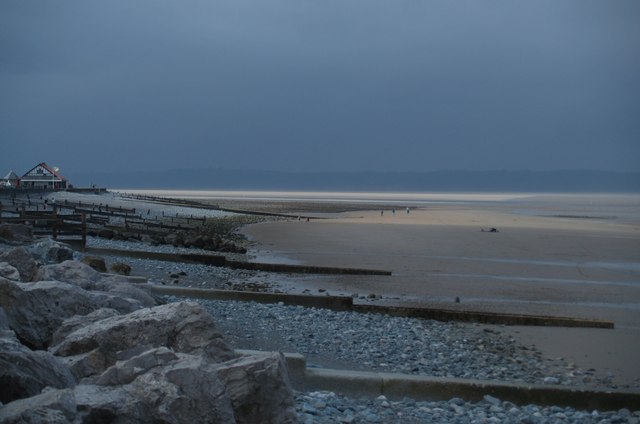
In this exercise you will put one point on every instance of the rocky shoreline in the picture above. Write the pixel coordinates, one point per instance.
(78, 346)
(331, 339)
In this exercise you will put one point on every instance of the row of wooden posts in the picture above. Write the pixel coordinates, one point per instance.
(47, 219)
(64, 227)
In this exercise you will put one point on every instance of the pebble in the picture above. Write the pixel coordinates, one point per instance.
(342, 409)
(376, 342)
(369, 341)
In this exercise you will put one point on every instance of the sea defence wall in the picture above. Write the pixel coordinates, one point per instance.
(420, 387)
(220, 260)
(346, 303)
(336, 302)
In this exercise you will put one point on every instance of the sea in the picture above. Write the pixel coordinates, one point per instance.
(619, 207)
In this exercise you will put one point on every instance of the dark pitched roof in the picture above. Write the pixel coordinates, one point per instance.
(11, 176)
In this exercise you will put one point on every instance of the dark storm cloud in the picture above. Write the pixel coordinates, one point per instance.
(315, 85)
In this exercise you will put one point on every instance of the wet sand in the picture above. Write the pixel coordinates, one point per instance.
(576, 256)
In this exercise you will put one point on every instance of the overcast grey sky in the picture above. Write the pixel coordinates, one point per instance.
(414, 85)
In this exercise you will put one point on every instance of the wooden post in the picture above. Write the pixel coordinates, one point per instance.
(55, 224)
(84, 232)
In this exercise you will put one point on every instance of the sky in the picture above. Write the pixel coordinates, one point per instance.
(320, 85)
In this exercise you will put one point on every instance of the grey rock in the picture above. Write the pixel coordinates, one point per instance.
(4, 321)
(9, 272)
(259, 388)
(492, 400)
(184, 391)
(72, 272)
(121, 268)
(124, 372)
(15, 233)
(175, 239)
(20, 258)
(49, 251)
(50, 407)
(36, 310)
(82, 275)
(24, 373)
(457, 401)
(71, 324)
(256, 387)
(183, 327)
(95, 262)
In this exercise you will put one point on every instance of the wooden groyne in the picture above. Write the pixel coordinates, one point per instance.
(346, 303)
(132, 220)
(199, 205)
(214, 260)
(169, 201)
(442, 314)
(63, 227)
(337, 302)
(219, 260)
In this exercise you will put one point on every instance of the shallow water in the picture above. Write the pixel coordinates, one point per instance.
(319, 196)
(542, 280)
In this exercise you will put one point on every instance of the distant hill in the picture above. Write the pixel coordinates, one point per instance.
(513, 181)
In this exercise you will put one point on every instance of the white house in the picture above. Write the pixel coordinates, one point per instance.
(44, 177)
(11, 180)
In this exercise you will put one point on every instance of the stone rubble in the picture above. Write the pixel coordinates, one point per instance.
(328, 408)
(77, 346)
(376, 342)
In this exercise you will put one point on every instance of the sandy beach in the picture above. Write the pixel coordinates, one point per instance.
(571, 255)
(565, 255)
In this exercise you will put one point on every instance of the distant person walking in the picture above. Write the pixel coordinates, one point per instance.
(408, 210)
(381, 212)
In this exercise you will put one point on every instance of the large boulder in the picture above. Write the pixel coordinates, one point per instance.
(124, 372)
(72, 272)
(4, 320)
(249, 389)
(75, 322)
(164, 364)
(49, 251)
(49, 407)
(121, 268)
(16, 233)
(259, 388)
(163, 386)
(82, 275)
(9, 272)
(36, 310)
(183, 327)
(95, 262)
(24, 373)
(182, 391)
(20, 258)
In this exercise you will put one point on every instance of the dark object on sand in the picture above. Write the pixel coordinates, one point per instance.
(121, 268)
(95, 262)
(489, 230)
